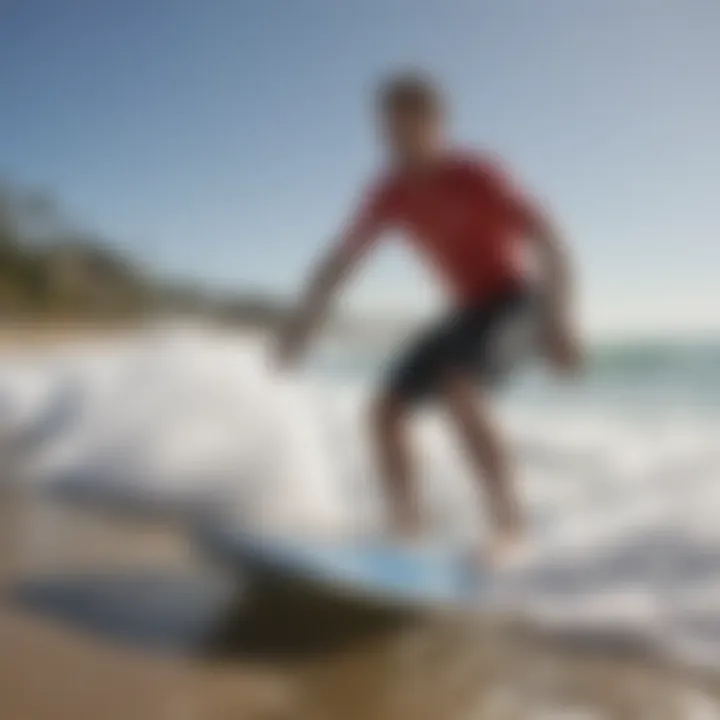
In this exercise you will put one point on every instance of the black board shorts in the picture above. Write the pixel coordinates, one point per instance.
(485, 341)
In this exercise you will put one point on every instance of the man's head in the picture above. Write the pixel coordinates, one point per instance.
(411, 116)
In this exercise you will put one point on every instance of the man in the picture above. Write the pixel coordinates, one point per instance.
(462, 214)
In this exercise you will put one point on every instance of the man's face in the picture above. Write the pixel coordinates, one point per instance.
(411, 133)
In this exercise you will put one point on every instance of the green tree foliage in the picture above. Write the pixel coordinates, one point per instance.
(46, 268)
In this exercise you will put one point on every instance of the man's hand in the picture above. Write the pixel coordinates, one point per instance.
(288, 347)
(324, 283)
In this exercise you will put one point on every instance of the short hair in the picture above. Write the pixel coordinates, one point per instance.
(411, 92)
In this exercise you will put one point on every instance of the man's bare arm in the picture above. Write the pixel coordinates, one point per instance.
(554, 259)
(558, 290)
(326, 280)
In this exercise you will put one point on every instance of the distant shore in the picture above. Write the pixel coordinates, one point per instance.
(21, 334)
(24, 334)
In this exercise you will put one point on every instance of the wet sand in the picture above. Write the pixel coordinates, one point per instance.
(31, 335)
(103, 618)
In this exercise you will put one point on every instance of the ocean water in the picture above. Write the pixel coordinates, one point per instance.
(619, 471)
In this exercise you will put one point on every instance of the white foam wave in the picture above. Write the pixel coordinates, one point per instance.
(624, 506)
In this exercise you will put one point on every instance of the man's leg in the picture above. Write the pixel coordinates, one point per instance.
(390, 432)
(471, 414)
(410, 380)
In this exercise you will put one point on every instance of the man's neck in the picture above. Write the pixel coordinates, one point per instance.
(420, 162)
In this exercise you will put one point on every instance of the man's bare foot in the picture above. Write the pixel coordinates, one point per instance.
(505, 547)
(407, 527)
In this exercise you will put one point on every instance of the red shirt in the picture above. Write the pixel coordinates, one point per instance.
(461, 214)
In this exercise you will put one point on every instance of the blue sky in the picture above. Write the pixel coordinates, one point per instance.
(225, 139)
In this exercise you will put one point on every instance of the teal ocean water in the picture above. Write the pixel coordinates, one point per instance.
(629, 375)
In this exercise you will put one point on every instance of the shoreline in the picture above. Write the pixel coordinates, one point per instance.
(22, 335)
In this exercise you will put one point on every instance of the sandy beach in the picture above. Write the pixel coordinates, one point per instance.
(72, 645)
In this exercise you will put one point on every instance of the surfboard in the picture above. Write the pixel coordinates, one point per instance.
(377, 572)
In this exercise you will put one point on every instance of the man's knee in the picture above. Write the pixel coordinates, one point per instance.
(458, 386)
(464, 398)
(388, 412)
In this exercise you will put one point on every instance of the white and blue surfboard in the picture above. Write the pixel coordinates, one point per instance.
(365, 571)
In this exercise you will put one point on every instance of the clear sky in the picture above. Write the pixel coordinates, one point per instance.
(225, 139)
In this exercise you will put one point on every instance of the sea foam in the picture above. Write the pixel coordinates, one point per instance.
(622, 502)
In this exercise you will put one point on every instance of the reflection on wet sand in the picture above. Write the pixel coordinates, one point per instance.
(102, 619)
